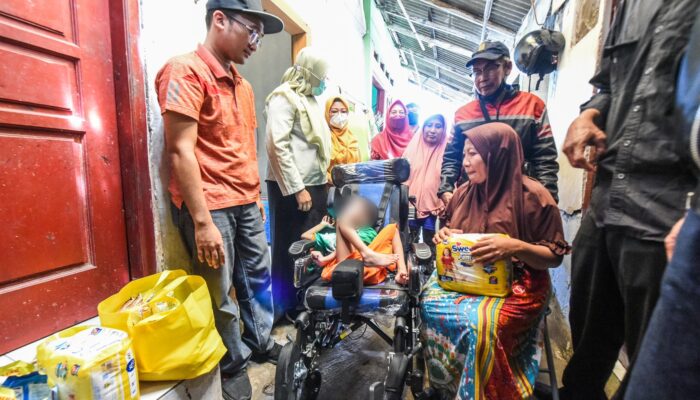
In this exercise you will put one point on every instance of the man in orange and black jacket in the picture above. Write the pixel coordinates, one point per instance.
(497, 101)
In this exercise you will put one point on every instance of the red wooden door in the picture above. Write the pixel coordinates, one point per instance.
(62, 233)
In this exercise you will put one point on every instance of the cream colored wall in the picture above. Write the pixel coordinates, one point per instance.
(571, 89)
(169, 28)
(567, 88)
(564, 91)
(337, 29)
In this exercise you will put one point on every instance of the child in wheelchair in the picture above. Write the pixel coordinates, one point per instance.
(353, 237)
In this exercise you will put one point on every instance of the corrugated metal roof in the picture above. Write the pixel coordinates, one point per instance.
(450, 31)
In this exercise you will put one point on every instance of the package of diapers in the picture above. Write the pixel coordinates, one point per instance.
(457, 271)
(90, 363)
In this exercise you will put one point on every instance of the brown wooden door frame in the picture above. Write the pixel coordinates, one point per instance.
(293, 24)
(129, 85)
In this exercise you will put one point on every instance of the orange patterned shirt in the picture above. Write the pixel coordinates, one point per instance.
(196, 85)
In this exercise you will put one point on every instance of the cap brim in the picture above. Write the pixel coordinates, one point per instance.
(483, 56)
(272, 23)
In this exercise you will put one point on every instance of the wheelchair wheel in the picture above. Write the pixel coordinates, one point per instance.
(401, 337)
(293, 380)
(396, 377)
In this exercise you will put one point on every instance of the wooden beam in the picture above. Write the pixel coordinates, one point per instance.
(459, 13)
(431, 25)
(468, 84)
(435, 42)
(293, 23)
(437, 64)
(450, 92)
(433, 35)
(410, 24)
(415, 67)
(487, 15)
(299, 41)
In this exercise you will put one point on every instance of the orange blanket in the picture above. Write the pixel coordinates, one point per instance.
(381, 244)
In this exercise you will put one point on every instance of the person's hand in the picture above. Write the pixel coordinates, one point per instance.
(446, 197)
(402, 276)
(494, 248)
(327, 220)
(303, 200)
(316, 256)
(670, 240)
(583, 132)
(210, 245)
(261, 207)
(444, 234)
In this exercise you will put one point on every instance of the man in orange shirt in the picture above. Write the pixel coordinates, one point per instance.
(209, 118)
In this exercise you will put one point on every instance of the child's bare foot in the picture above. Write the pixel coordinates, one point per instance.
(374, 259)
(318, 258)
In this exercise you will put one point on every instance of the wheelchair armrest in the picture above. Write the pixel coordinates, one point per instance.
(300, 247)
(420, 267)
(347, 280)
(423, 253)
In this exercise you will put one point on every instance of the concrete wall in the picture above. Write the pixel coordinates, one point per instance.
(563, 91)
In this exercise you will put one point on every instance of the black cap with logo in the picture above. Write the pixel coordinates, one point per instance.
(272, 24)
(489, 50)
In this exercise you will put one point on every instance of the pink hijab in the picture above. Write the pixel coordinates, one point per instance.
(391, 144)
(426, 163)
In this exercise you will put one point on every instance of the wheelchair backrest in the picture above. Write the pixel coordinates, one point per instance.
(378, 181)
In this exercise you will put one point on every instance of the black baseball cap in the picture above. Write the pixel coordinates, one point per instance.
(272, 24)
(489, 50)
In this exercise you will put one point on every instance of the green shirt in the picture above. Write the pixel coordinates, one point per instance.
(325, 238)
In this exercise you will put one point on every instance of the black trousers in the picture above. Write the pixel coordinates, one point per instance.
(287, 223)
(615, 281)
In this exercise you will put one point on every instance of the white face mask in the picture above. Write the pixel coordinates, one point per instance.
(339, 120)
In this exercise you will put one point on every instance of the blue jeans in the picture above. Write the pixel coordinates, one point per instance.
(247, 270)
(668, 364)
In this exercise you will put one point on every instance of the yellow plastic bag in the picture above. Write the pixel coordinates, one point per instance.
(7, 394)
(17, 368)
(90, 363)
(457, 271)
(176, 338)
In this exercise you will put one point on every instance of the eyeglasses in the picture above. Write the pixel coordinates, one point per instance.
(488, 69)
(310, 71)
(324, 79)
(254, 36)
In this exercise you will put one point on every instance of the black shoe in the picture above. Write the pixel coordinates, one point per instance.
(237, 387)
(271, 356)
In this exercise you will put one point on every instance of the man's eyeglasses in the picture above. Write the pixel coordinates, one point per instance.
(254, 36)
(488, 69)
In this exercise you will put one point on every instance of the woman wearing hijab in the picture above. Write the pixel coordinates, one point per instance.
(393, 139)
(345, 149)
(424, 152)
(480, 346)
(298, 150)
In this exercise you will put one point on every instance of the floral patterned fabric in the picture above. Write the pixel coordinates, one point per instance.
(480, 347)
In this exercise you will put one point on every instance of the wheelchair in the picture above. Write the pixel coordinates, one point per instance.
(333, 310)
